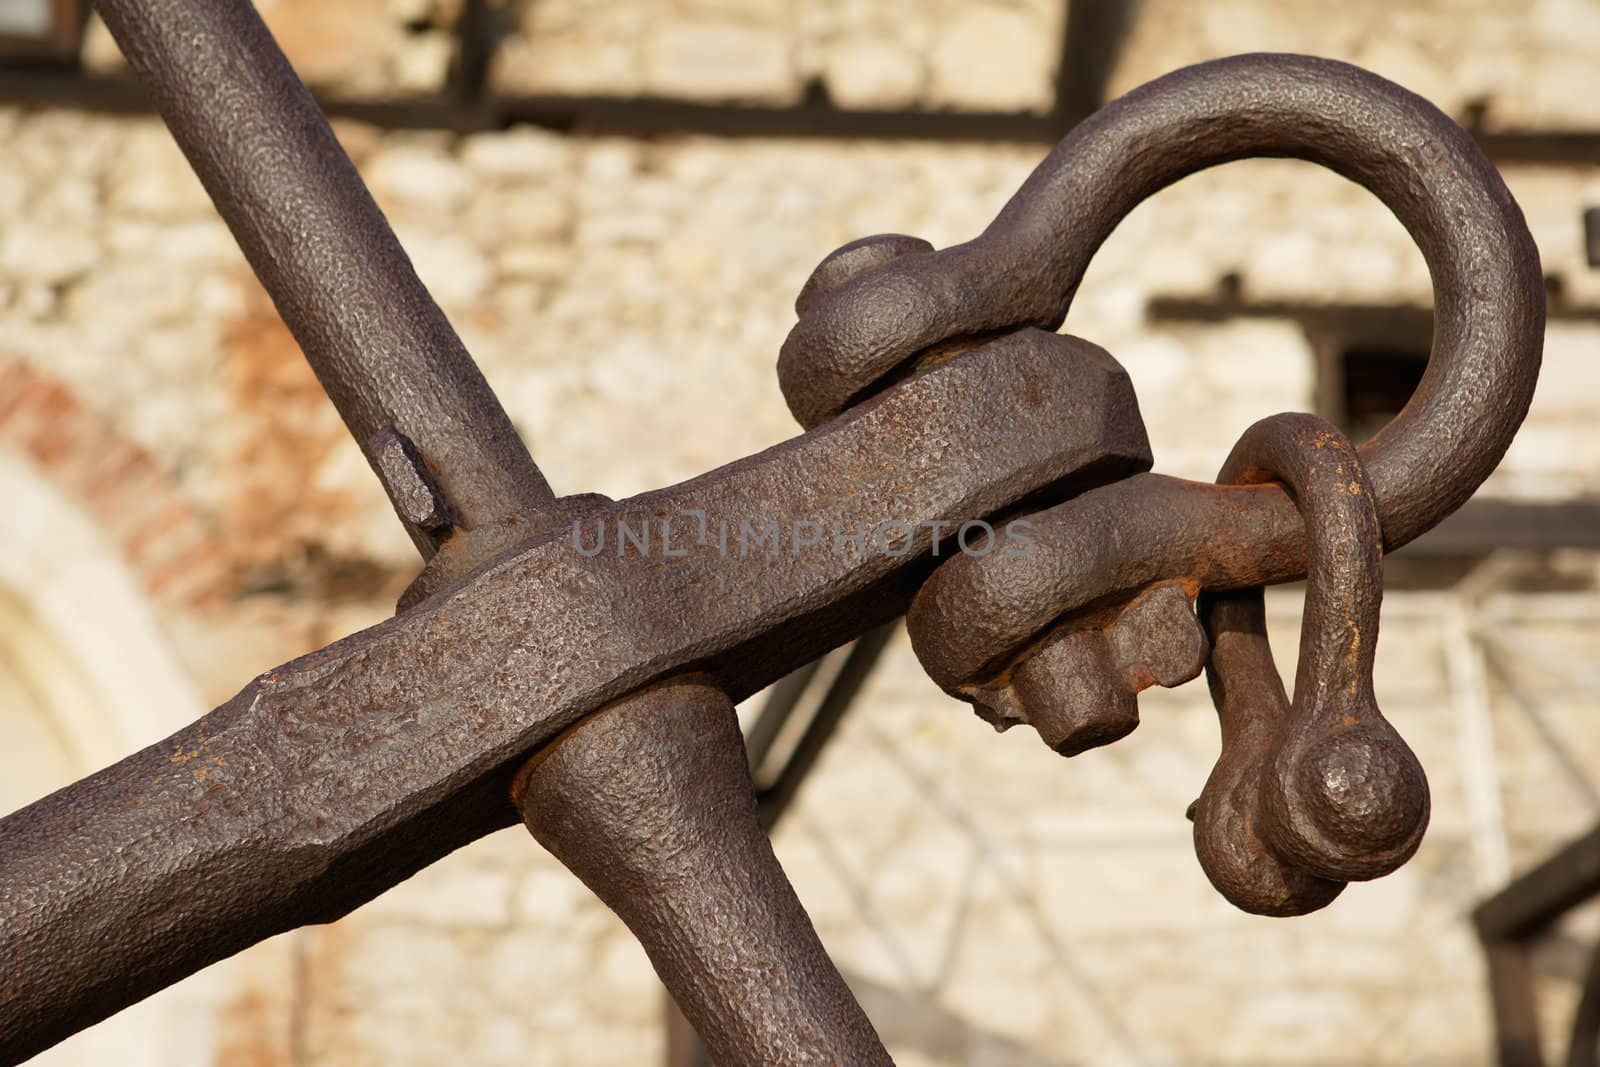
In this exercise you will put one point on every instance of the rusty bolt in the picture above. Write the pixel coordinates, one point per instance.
(1078, 688)
(1070, 691)
(1157, 640)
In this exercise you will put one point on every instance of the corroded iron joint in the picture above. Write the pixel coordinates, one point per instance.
(1310, 794)
(1077, 688)
(977, 623)
(930, 380)
(649, 802)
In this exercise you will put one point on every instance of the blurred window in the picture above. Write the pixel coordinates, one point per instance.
(1377, 382)
(40, 30)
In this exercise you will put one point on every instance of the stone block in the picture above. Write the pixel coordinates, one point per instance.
(717, 59)
(416, 178)
(989, 57)
(44, 255)
(866, 72)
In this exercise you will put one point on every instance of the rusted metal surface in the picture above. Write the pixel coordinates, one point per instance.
(803, 1012)
(650, 804)
(336, 776)
(936, 399)
(280, 179)
(1310, 795)
(1025, 268)
(1065, 637)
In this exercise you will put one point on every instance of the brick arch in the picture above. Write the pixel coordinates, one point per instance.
(166, 542)
(92, 529)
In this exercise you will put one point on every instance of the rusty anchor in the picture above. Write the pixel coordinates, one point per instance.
(590, 694)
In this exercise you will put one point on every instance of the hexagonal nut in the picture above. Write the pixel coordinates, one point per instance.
(1072, 692)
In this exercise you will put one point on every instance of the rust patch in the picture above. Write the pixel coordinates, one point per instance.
(275, 512)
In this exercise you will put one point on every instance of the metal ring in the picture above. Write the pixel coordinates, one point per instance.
(1025, 268)
(1308, 795)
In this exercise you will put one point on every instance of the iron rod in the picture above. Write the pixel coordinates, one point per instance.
(649, 802)
(1535, 899)
(381, 347)
(776, 710)
(774, 800)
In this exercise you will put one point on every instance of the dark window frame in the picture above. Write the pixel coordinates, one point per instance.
(58, 45)
(1368, 334)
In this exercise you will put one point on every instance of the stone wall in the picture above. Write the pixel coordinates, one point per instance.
(349, 48)
(1500, 64)
(999, 55)
(1504, 64)
(626, 299)
(626, 273)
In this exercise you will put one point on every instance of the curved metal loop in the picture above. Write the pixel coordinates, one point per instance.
(1025, 268)
(1004, 633)
(1311, 794)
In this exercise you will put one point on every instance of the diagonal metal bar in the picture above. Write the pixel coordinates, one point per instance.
(332, 778)
(649, 802)
(1582, 1051)
(782, 700)
(684, 1047)
(1509, 923)
(328, 780)
(429, 498)
(379, 344)
(775, 798)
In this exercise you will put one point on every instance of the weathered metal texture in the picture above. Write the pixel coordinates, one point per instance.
(379, 344)
(336, 776)
(650, 804)
(978, 620)
(1077, 686)
(412, 488)
(785, 1026)
(1308, 796)
(470, 492)
(1025, 268)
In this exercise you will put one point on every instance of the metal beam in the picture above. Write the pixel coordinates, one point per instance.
(1535, 899)
(379, 344)
(775, 799)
